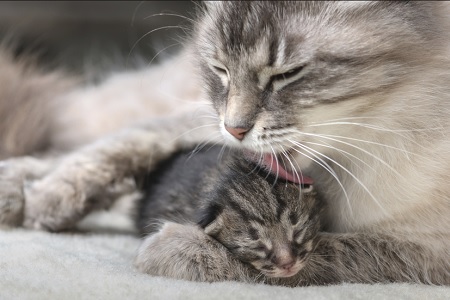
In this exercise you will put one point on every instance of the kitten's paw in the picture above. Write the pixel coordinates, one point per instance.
(186, 252)
(52, 204)
(11, 195)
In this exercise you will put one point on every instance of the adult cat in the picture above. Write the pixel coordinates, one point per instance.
(353, 94)
(354, 108)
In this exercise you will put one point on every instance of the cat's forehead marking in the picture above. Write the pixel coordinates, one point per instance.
(261, 53)
(281, 52)
(251, 57)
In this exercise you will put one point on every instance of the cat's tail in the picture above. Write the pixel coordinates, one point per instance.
(27, 98)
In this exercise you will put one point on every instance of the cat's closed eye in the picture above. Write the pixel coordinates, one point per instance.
(287, 75)
(261, 248)
(302, 254)
(220, 70)
(298, 235)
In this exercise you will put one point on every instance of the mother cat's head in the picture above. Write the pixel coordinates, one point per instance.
(275, 71)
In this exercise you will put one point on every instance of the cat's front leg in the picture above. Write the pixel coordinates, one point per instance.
(15, 174)
(59, 200)
(186, 252)
(373, 258)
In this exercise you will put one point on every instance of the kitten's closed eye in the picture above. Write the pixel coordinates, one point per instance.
(262, 248)
(298, 235)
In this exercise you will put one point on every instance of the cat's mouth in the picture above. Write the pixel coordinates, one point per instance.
(274, 165)
(280, 272)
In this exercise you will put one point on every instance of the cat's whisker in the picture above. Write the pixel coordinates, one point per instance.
(207, 141)
(373, 126)
(160, 51)
(295, 171)
(257, 277)
(324, 165)
(345, 153)
(328, 167)
(276, 160)
(170, 15)
(222, 151)
(133, 17)
(201, 112)
(154, 223)
(349, 138)
(379, 128)
(193, 129)
(214, 136)
(363, 141)
(318, 161)
(299, 177)
(261, 155)
(258, 164)
(283, 152)
(147, 34)
(360, 149)
(350, 118)
(208, 117)
(353, 176)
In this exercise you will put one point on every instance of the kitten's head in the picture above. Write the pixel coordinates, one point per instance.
(270, 225)
(274, 68)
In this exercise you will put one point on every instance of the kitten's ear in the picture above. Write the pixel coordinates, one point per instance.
(210, 219)
(215, 226)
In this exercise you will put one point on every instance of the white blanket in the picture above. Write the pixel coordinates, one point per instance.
(40, 265)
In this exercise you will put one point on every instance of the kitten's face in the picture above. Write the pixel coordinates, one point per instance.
(274, 69)
(270, 226)
(277, 249)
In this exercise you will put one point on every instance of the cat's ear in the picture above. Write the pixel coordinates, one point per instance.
(215, 226)
(210, 219)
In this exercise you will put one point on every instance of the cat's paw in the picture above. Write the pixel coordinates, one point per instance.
(53, 203)
(186, 252)
(28, 200)
(11, 194)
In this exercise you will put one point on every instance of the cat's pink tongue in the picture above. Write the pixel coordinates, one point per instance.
(271, 164)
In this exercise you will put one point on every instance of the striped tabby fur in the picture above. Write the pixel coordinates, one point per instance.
(267, 223)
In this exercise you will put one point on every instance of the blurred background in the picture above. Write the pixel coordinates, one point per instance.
(94, 37)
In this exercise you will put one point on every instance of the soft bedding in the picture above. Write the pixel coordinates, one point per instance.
(41, 265)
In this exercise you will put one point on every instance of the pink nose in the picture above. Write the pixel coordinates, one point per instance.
(288, 265)
(237, 132)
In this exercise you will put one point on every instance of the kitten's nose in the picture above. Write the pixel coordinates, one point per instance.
(237, 132)
(284, 259)
(288, 265)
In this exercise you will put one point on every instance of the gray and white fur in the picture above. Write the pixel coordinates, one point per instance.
(353, 94)
(268, 223)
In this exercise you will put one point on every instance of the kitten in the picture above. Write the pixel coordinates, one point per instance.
(268, 223)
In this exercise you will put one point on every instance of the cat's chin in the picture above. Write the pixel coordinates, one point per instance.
(279, 273)
(274, 165)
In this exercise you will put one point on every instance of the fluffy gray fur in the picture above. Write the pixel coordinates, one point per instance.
(268, 223)
(25, 109)
(353, 94)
